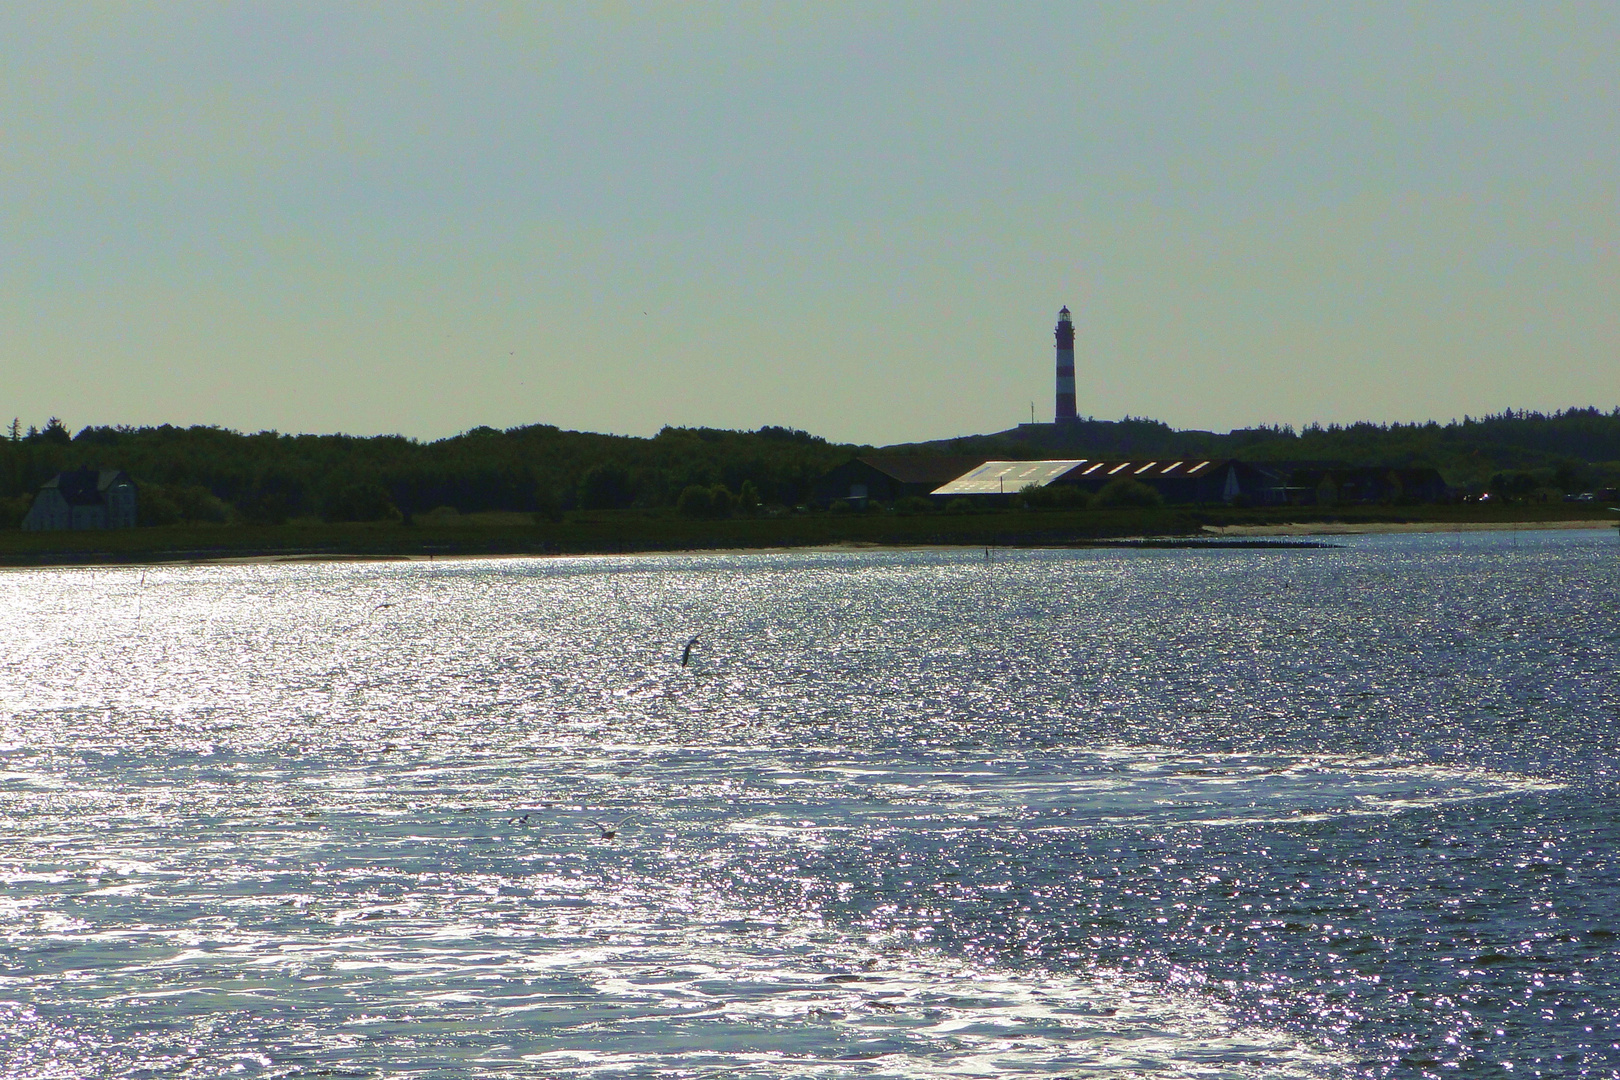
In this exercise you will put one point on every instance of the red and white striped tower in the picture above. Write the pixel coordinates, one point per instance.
(1064, 413)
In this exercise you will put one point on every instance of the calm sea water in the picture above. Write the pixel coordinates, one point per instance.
(1345, 812)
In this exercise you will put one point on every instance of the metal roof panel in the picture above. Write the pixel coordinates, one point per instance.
(1006, 477)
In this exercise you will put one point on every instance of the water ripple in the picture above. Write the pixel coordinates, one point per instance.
(1072, 813)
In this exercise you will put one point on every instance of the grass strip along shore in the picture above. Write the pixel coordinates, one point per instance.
(624, 531)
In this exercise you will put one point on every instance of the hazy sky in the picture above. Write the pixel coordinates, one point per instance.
(855, 219)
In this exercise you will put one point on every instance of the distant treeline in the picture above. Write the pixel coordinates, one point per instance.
(203, 473)
(209, 473)
(1573, 448)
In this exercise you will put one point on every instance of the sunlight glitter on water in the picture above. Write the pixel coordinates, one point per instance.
(905, 815)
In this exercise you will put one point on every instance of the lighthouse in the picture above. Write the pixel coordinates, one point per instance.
(1064, 413)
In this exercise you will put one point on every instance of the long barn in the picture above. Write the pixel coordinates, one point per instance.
(1177, 480)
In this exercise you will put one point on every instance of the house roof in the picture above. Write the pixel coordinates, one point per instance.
(1006, 477)
(85, 487)
(1149, 468)
(920, 469)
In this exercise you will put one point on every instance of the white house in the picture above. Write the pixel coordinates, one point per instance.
(84, 499)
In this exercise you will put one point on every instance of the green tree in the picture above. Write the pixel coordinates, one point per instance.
(197, 503)
(698, 501)
(1125, 492)
(359, 502)
(265, 508)
(1569, 476)
(605, 487)
(722, 503)
(1513, 487)
(12, 511)
(694, 502)
(547, 506)
(1054, 497)
(154, 507)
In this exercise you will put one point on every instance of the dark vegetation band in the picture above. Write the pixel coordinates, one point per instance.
(210, 473)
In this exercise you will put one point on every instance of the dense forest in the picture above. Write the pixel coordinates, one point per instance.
(209, 473)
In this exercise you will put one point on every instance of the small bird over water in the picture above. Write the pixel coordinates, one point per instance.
(609, 831)
(686, 654)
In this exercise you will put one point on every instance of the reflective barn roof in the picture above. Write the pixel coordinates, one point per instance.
(998, 477)
(1006, 477)
(1146, 469)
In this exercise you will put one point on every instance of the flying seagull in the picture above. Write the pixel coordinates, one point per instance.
(686, 654)
(609, 831)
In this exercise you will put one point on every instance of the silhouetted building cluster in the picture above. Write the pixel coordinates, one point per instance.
(885, 478)
(1177, 481)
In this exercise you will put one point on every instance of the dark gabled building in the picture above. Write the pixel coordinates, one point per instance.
(84, 499)
(1186, 480)
(886, 477)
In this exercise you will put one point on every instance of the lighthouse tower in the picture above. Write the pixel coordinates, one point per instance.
(1064, 413)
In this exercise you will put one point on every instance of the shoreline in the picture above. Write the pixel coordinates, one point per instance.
(1273, 537)
(1344, 528)
(1131, 543)
(623, 533)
